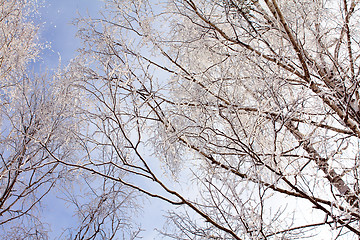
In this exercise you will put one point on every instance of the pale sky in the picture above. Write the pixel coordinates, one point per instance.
(56, 28)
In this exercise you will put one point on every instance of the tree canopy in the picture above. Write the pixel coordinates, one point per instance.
(243, 115)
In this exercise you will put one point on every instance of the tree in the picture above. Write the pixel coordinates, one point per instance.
(24, 171)
(257, 100)
(36, 126)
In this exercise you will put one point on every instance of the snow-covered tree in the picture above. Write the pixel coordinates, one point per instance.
(33, 110)
(39, 144)
(256, 101)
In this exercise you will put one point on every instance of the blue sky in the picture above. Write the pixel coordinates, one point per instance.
(55, 19)
(57, 32)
